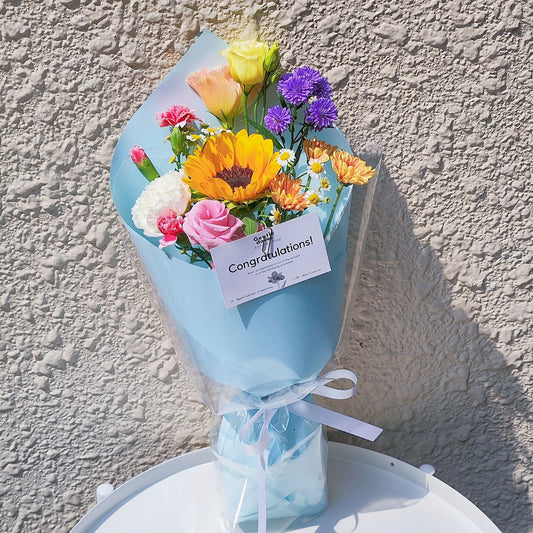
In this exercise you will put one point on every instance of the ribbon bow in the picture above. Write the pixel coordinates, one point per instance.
(292, 400)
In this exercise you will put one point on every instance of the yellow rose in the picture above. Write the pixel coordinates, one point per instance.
(246, 61)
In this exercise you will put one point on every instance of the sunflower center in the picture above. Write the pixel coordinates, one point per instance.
(236, 176)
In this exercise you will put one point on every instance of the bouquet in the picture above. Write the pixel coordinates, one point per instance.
(239, 216)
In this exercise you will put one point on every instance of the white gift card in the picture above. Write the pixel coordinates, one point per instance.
(271, 259)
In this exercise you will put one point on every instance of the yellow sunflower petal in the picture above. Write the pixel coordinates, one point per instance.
(220, 152)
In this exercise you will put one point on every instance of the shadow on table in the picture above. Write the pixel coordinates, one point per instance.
(371, 492)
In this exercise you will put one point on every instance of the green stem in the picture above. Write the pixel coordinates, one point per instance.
(204, 255)
(330, 219)
(303, 134)
(264, 105)
(225, 123)
(245, 109)
(190, 252)
(294, 113)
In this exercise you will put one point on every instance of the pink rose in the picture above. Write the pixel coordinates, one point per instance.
(210, 224)
(176, 115)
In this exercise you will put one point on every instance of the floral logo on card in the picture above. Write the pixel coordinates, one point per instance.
(278, 279)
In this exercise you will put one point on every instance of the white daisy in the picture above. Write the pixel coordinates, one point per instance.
(324, 184)
(194, 137)
(286, 157)
(275, 217)
(208, 132)
(315, 168)
(315, 197)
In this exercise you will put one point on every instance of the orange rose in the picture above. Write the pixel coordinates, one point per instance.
(221, 94)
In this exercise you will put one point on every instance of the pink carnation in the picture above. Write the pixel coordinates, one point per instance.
(170, 226)
(176, 115)
(210, 224)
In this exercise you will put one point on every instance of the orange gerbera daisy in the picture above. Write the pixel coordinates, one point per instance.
(286, 192)
(319, 150)
(351, 170)
(234, 167)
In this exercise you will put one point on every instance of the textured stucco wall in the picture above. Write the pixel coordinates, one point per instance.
(91, 391)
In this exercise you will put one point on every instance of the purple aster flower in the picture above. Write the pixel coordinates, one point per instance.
(277, 119)
(295, 89)
(322, 88)
(321, 114)
(308, 73)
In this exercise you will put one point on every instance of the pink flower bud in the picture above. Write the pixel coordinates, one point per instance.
(137, 154)
(143, 163)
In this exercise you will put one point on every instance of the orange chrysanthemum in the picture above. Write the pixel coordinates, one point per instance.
(351, 170)
(286, 192)
(234, 167)
(319, 150)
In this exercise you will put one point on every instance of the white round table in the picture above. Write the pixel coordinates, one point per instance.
(368, 492)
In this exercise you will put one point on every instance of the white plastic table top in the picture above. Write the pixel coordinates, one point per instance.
(368, 492)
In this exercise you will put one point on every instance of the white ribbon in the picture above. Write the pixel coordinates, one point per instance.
(294, 403)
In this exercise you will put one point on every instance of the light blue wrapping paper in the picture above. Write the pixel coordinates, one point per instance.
(260, 346)
(252, 350)
(296, 460)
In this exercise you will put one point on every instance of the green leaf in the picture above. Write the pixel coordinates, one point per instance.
(195, 195)
(250, 225)
(265, 133)
(242, 211)
(183, 241)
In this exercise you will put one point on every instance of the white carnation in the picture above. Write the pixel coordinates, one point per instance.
(168, 192)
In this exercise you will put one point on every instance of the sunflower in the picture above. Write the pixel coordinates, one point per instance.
(287, 193)
(233, 167)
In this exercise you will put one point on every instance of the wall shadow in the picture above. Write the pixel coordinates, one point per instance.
(441, 389)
